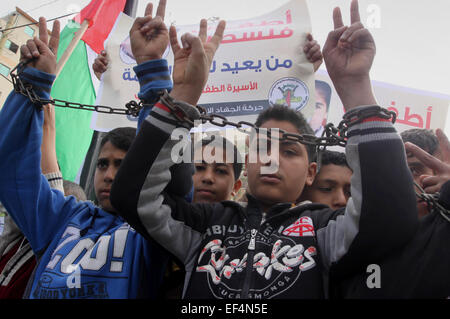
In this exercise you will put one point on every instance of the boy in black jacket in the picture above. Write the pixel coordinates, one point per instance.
(271, 248)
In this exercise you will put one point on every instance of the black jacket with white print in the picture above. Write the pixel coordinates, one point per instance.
(295, 247)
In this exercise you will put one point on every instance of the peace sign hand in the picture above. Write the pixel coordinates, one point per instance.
(193, 61)
(349, 53)
(43, 50)
(441, 167)
(149, 36)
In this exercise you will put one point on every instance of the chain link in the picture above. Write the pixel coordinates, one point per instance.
(26, 89)
(432, 201)
(332, 136)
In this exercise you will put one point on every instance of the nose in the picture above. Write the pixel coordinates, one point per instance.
(208, 176)
(110, 173)
(271, 164)
(339, 199)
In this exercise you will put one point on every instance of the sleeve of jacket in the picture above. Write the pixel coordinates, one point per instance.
(24, 191)
(153, 76)
(140, 191)
(381, 214)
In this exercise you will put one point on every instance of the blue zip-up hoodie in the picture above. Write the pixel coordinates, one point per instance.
(83, 251)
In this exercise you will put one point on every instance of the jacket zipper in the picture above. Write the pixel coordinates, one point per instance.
(249, 268)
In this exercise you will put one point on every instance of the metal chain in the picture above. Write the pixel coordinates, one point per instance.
(332, 136)
(132, 107)
(432, 200)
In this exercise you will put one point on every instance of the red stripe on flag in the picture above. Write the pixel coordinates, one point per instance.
(102, 15)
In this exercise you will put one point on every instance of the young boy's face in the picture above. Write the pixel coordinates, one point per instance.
(330, 187)
(294, 171)
(214, 182)
(418, 169)
(320, 112)
(108, 162)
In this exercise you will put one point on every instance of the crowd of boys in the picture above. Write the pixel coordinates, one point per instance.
(162, 228)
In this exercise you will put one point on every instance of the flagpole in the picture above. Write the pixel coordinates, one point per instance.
(88, 169)
(72, 45)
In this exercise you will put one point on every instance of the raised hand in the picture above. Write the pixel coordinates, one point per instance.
(149, 36)
(193, 61)
(100, 64)
(349, 53)
(440, 167)
(312, 52)
(43, 50)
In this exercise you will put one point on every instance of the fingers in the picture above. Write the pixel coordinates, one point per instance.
(313, 51)
(31, 48)
(351, 30)
(361, 34)
(203, 30)
(432, 184)
(424, 157)
(154, 26)
(43, 35)
(194, 43)
(444, 145)
(173, 39)
(99, 65)
(140, 23)
(54, 38)
(333, 38)
(41, 46)
(25, 52)
(354, 12)
(148, 9)
(337, 18)
(311, 47)
(218, 35)
(161, 10)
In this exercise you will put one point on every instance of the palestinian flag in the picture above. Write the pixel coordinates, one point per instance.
(76, 82)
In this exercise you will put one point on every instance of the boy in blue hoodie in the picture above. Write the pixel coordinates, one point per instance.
(83, 251)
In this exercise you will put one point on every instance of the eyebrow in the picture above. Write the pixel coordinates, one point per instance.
(289, 143)
(330, 181)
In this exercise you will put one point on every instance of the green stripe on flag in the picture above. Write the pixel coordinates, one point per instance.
(74, 84)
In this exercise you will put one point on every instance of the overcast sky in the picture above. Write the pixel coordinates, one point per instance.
(412, 36)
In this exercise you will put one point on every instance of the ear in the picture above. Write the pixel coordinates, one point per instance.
(237, 185)
(312, 171)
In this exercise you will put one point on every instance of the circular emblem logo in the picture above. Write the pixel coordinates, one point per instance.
(290, 92)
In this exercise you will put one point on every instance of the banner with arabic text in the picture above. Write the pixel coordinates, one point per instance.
(260, 62)
(414, 108)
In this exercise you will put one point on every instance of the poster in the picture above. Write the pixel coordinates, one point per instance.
(413, 108)
(260, 62)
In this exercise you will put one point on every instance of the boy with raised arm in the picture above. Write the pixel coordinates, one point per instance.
(83, 251)
(272, 248)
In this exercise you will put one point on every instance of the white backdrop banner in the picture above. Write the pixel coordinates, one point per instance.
(260, 62)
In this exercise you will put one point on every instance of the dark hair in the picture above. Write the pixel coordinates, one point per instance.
(325, 90)
(120, 137)
(217, 140)
(71, 188)
(283, 113)
(423, 138)
(332, 157)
